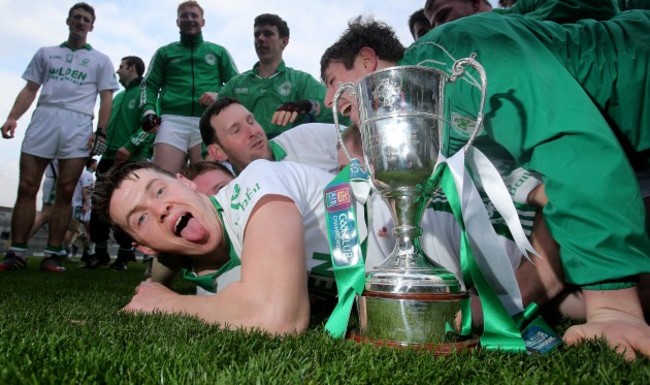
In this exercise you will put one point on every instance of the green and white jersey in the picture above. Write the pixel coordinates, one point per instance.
(262, 96)
(304, 186)
(180, 72)
(71, 79)
(313, 144)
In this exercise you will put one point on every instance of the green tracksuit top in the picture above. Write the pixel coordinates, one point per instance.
(124, 126)
(262, 96)
(182, 71)
(541, 79)
(620, 98)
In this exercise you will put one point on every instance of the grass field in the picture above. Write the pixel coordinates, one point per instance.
(66, 329)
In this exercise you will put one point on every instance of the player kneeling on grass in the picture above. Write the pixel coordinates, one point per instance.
(271, 218)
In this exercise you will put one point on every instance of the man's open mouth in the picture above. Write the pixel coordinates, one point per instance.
(181, 223)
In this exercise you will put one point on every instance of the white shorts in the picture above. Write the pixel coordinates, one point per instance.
(49, 191)
(57, 133)
(178, 131)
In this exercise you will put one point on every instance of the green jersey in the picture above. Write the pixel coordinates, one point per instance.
(124, 126)
(180, 72)
(262, 96)
(544, 108)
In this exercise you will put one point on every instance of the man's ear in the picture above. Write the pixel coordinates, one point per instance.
(369, 59)
(285, 41)
(217, 152)
(187, 182)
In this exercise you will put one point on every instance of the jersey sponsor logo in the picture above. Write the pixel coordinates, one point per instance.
(67, 74)
(285, 88)
(240, 199)
(210, 59)
(55, 57)
(241, 90)
(69, 57)
(463, 125)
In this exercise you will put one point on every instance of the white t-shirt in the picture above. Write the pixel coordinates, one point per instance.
(313, 144)
(71, 79)
(304, 185)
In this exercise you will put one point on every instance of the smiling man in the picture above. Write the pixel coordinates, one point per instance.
(183, 78)
(241, 223)
(233, 134)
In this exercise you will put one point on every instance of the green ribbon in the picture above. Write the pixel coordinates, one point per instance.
(500, 331)
(347, 260)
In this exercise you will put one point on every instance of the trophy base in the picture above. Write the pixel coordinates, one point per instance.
(410, 319)
(438, 349)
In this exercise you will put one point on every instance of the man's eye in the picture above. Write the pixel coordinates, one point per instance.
(141, 219)
(160, 192)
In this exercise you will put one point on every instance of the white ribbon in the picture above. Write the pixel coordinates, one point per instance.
(489, 178)
(490, 255)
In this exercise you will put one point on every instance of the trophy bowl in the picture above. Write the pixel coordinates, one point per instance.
(409, 300)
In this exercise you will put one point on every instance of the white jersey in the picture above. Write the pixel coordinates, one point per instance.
(71, 79)
(304, 185)
(313, 144)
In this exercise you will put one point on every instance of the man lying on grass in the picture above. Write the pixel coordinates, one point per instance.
(268, 218)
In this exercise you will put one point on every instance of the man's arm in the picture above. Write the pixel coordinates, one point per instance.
(272, 294)
(24, 99)
(151, 83)
(164, 268)
(105, 104)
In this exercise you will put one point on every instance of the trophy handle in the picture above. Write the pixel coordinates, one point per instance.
(459, 70)
(350, 87)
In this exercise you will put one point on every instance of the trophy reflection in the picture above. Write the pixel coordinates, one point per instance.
(409, 299)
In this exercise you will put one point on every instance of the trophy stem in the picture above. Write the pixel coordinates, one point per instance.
(407, 207)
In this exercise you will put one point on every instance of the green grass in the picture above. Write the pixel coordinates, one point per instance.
(66, 329)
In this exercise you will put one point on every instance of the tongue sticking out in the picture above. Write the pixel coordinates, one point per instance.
(191, 230)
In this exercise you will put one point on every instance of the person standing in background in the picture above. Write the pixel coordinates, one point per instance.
(71, 75)
(126, 142)
(183, 78)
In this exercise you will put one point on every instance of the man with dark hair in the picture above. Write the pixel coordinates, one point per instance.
(279, 97)
(238, 227)
(419, 24)
(126, 141)
(183, 78)
(597, 220)
(71, 75)
(231, 133)
(443, 11)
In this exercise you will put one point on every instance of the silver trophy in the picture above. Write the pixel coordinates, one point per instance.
(409, 299)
